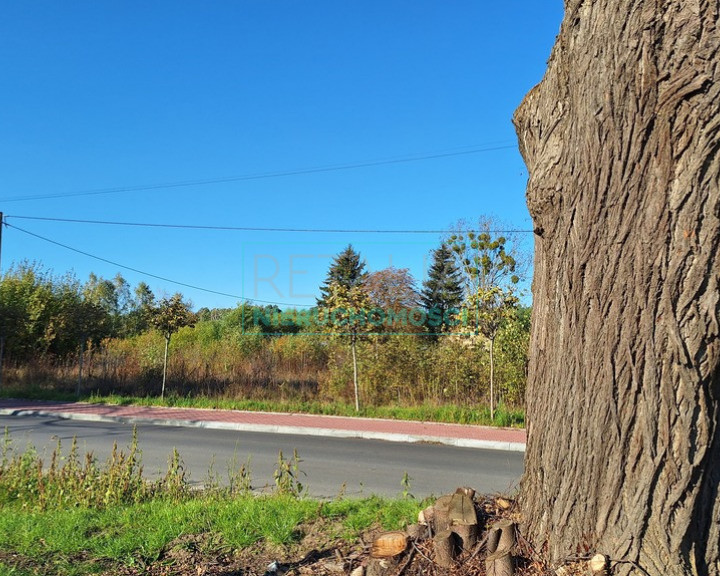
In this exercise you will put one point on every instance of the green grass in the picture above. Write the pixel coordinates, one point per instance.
(83, 541)
(53, 522)
(359, 515)
(6, 570)
(448, 413)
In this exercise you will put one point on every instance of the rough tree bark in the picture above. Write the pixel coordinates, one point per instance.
(621, 140)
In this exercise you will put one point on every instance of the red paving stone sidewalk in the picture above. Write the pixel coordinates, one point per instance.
(397, 430)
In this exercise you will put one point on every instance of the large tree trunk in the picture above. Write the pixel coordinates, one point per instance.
(621, 140)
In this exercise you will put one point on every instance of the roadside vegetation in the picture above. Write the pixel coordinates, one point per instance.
(68, 514)
(446, 413)
(377, 345)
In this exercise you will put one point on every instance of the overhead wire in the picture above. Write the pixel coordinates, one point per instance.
(209, 181)
(261, 176)
(150, 274)
(258, 229)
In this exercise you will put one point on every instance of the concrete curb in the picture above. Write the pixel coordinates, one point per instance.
(274, 429)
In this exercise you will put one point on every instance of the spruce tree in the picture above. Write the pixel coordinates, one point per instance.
(442, 291)
(346, 271)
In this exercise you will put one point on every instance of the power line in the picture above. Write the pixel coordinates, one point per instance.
(255, 229)
(261, 176)
(164, 279)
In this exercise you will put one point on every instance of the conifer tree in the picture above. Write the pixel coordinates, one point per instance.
(346, 271)
(442, 291)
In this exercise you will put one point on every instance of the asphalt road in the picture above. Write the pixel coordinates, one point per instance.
(363, 467)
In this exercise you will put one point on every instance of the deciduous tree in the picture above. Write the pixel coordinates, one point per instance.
(485, 257)
(112, 296)
(346, 316)
(622, 144)
(489, 270)
(138, 317)
(392, 291)
(168, 317)
(83, 321)
(511, 349)
(487, 310)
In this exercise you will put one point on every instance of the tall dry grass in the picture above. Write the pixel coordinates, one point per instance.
(405, 370)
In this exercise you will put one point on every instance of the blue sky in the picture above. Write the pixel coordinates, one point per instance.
(317, 115)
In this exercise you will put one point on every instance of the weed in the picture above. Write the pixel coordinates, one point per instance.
(405, 482)
(212, 479)
(69, 480)
(75, 515)
(287, 476)
(174, 484)
(239, 477)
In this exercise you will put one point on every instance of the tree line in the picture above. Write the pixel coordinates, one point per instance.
(374, 336)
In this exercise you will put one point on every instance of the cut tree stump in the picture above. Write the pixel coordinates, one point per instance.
(445, 548)
(463, 519)
(389, 544)
(417, 531)
(501, 541)
(441, 513)
(467, 535)
(427, 516)
(598, 565)
(385, 552)
(469, 492)
(493, 539)
(461, 509)
(382, 566)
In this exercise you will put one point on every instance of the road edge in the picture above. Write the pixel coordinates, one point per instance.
(275, 429)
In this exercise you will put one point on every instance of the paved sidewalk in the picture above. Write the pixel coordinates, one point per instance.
(510, 439)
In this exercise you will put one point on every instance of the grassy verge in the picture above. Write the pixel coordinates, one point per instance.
(86, 541)
(448, 413)
(504, 417)
(71, 515)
